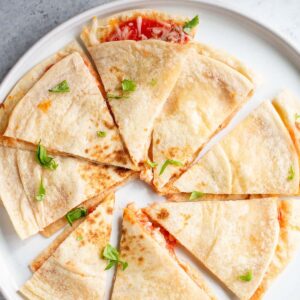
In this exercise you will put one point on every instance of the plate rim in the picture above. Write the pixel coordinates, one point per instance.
(8, 291)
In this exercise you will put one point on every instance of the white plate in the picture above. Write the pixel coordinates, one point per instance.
(262, 49)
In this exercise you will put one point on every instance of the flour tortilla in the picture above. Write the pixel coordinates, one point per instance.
(255, 158)
(152, 272)
(206, 96)
(73, 182)
(288, 244)
(142, 62)
(229, 237)
(75, 270)
(96, 32)
(68, 122)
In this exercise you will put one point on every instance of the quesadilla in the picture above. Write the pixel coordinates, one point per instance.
(66, 111)
(75, 269)
(288, 243)
(35, 197)
(151, 262)
(206, 96)
(257, 157)
(235, 240)
(138, 78)
(140, 25)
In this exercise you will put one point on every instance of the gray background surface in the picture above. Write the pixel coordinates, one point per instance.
(23, 22)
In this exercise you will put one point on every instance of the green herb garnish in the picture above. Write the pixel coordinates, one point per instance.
(153, 82)
(291, 173)
(188, 26)
(128, 85)
(111, 96)
(152, 164)
(247, 276)
(76, 214)
(195, 195)
(62, 87)
(101, 133)
(43, 159)
(170, 162)
(79, 238)
(41, 192)
(112, 255)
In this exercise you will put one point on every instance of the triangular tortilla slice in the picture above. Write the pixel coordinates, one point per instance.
(153, 270)
(137, 25)
(75, 270)
(69, 121)
(31, 77)
(73, 182)
(288, 107)
(288, 244)
(257, 157)
(231, 238)
(154, 67)
(206, 96)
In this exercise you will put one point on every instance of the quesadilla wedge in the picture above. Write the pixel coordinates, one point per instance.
(288, 107)
(35, 197)
(151, 262)
(138, 78)
(31, 77)
(139, 25)
(257, 157)
(235, 240)
(206, 96)
(288, 244)
(75, 269)
(66, 111)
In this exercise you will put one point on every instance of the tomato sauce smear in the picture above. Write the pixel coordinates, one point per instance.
(145, 28)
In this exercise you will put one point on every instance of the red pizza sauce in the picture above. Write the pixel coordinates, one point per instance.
(144, 29)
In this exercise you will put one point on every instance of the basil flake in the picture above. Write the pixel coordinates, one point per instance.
(101, 133)
(247, 276)
(41, 192)
(128, 85)
(195, 195)
(76, 214)
(170, 162)
(62, 87)
(43, 159)
(188, 26)
(112, 255)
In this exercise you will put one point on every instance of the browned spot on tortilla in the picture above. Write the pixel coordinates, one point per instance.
(140, 259)
(163, 214)
(126, 248)
(157, 141)
(2, 105)
(109, 210)
(108, 124)
(44, 105)
(141, 236)
(48, 67)
(86, 151)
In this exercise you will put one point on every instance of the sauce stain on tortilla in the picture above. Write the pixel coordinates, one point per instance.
(44, 105)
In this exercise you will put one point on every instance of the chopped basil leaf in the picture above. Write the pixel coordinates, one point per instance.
(79, 238)
(101, 133)
(43, 159)
(190, 24)
(76, 214)
(152, 164)
(111, 96)
(153, 82)
(195, 195)
(297, 116)
(128, 85)
(170, 162)
(41, 192)
(62, 87)
(291, 173)
(246, 277)
(112, 255)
